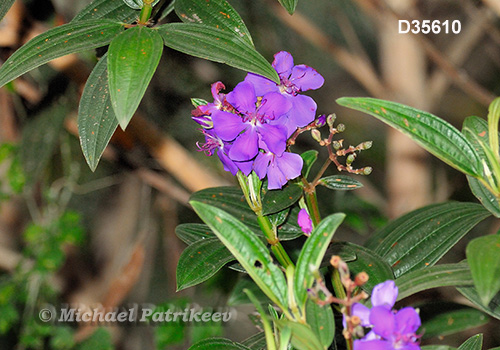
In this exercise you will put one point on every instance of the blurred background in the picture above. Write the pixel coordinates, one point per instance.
(70, 235)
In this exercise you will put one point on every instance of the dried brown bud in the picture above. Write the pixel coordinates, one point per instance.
(355, 320)
(335, 261)
(361, 278)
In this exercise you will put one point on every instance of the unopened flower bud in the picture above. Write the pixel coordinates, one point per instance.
(321, 121)
(336, 145)
(331, 119)
(350, 159)
(367, 170)
(365, 145)
(361, 278)
(316, 135)
(341, 128)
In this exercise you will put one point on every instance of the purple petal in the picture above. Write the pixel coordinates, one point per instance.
(306, 78)
(304, 221)
(274, 105)
(303, 110)
(245, 146)
(385, 293)
(407, 321)
(227, 125)
(383, 321)
(274, 136)
(243, 97)
(290, 165)
(245, 167)
(283, 63)
(261, 164)
(228, 164)
(372, 345)
(261, 85)
(363, 313)
(275, 178)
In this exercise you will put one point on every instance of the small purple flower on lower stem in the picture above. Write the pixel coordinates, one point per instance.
(305, 222)
(391, 329)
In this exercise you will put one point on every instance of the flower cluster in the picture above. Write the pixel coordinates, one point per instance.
(390, 329)
(249, 127)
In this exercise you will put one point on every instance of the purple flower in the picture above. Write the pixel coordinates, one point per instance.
(305, 221)
(214, 143)
(391, 329)
(293, 80)
(278, 169)
(253, 126)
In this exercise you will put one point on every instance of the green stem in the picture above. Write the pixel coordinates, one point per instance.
(312, 204)
(145, 12)
(268, 330)
(272, 239)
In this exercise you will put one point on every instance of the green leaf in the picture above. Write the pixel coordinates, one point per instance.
(256, 341)
(4, 7)
(312, 254)
(289, 5)
(437, 347)
(487, 199)
(132, 60)
(248, 249)
(493, 308)
(366, 260)
(340, 182)
(231, 200)
(473, 343)
(217, 344)
(451, 322)
(137, 4)
(191, 233)
(96, 119)
(445, 275)
(322, 322)
(217, 14)
(309, 157)
(303, 337)
(420, 238)
(56, 42)
(277, 200)
(216, 45)
(200, 261)
(39, 140)
(483, 256)
(115, 10)
(239, 297)
(433, 133)
(475, 130)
